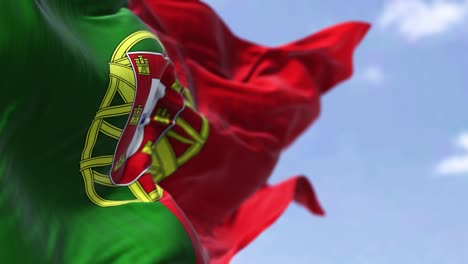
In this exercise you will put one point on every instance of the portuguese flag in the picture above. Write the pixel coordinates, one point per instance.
(145, 132)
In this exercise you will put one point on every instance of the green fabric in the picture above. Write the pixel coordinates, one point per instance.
(56, 72)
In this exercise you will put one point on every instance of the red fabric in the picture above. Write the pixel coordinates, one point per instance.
(200, 255)
(258, 100)
(258, 212)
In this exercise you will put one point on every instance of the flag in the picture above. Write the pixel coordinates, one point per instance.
(147, 133)
(257, 101)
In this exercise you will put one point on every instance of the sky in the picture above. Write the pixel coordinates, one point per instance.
(388, 156)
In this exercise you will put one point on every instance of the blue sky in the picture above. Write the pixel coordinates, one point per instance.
(389, 154)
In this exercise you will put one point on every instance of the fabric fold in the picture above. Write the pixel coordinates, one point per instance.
(257, 100)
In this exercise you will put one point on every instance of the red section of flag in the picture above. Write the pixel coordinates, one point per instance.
(200, 254)
(258, 212)
(258, 100)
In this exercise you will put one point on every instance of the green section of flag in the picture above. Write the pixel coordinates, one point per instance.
(56, 72)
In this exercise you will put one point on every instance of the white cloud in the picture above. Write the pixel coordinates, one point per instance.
(415, 19)
(373, 74)
(456, 164)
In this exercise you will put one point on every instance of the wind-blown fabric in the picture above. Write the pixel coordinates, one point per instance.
(146, 133)
(257, 100)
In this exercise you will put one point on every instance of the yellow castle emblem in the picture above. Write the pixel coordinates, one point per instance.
(142, 65)
(136, 116)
